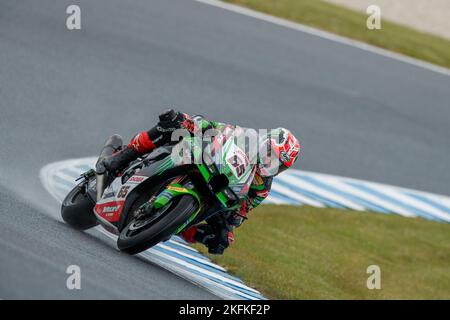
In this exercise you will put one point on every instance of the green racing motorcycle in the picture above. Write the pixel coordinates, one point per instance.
(164, 192)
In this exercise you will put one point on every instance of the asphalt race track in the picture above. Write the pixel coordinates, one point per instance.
(63, 92)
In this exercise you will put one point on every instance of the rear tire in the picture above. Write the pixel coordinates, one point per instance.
(181, 209)
(76, 210)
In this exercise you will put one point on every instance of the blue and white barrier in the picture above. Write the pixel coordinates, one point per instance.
(322, 190)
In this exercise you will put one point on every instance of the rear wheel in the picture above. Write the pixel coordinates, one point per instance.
(145, 231)
(76, 210)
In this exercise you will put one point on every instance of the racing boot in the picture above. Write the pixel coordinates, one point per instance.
(120, 160)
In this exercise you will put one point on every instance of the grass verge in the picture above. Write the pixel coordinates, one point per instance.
(352, 24)
(308, 253)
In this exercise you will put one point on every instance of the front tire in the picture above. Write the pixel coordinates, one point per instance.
(76, 210)
(179, 211)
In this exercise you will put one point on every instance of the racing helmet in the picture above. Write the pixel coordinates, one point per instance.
(278, 151)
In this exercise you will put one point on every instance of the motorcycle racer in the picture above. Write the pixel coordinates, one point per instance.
(217, 233)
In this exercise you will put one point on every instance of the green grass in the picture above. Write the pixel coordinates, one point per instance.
(309, 253)
(352, 24)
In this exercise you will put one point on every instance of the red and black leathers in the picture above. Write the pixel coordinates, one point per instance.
(146, 141)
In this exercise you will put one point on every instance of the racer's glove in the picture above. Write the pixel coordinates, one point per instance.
(216, 240)
(236, 218)
(169, 121)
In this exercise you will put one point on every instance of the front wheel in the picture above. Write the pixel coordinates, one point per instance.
(76, 210)
(142, 233)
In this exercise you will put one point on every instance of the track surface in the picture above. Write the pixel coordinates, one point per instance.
(62, 92)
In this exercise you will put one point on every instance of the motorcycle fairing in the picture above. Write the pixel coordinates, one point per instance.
(112, 208)
(111, 205)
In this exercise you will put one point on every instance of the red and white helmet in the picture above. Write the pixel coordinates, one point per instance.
(278, 151)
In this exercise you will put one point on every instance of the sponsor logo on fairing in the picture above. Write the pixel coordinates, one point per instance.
(111, 209)
(137, 179)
